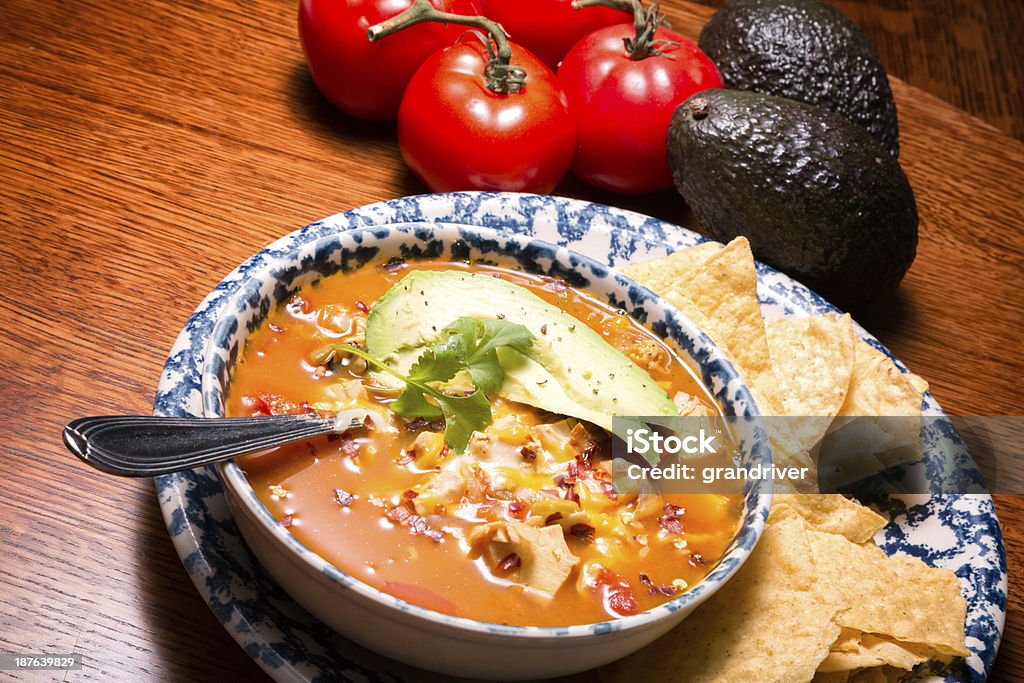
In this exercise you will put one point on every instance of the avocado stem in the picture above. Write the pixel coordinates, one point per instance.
(700, 108)
(646, 22)
(502, 76)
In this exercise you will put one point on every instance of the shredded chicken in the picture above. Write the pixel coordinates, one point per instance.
(545, 560)
(648, 354)
(690, 406)
(648, 504)
(446, 489)
(348, 392)
(555, 437)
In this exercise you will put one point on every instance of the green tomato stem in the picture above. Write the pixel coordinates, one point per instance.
(501, 76)
(645, 22)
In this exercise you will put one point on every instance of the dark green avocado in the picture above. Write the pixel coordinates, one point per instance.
(805, 50)
(815, 194)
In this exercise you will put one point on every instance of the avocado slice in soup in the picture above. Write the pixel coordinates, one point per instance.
(569, 369)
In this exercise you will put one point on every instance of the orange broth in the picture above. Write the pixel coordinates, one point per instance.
(363, 501)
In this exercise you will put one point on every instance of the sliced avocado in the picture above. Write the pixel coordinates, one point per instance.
(815, 194)
(570, 369)
(805, 50)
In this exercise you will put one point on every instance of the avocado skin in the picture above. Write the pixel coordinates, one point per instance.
(805, 50)
(815, 194)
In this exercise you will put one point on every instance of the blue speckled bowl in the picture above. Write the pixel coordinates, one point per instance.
(960, 533)
(408, 632)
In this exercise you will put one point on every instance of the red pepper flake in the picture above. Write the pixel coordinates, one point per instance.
(393, 265)
(403, 515)
(343, 497)
(410, 494)
(517, 509)
(653, 589)
(608, 489)
(670, 522)
(528, 453)
(287, 520)
(552, 518)
(573, 470)
(397, 514)
(508, 563)
(571, 495)
(266, 403)
(697, 560)
(362, 307)
(312, 450)
(348, 446)
(583, 532)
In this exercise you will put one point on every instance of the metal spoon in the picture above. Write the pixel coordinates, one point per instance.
(147, 446)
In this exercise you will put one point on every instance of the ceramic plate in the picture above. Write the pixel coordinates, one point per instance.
(960, 532)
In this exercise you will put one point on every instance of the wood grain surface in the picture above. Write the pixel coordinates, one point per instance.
(146, 148)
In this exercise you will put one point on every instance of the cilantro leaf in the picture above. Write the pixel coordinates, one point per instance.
(469, 345)
(464, 415)
(480, 340)
(412, 403)
(440, 362)
(504, 333)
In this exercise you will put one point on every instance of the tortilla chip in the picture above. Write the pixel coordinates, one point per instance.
(769, 622)
(878, 388)
(813, 360)
(865, 650)
(672, 271)
(716, 287)
(897, 597)
(786, 452)
(724, 288)
(831, 514)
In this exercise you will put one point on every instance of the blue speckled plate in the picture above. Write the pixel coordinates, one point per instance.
(958, 532)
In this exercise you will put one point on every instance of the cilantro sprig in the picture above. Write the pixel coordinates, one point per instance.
(465, 344)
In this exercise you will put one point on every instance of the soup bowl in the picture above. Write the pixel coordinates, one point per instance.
(417, 635)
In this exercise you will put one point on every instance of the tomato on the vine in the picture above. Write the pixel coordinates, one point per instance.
(367, 79)
(623, 85)
(548, 28)
(455, 133)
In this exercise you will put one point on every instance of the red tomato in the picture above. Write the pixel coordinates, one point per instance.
(548, 28)
(624, 105)
(455, 134)
(367, 79)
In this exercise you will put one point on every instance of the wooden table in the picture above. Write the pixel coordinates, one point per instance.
(148, 147)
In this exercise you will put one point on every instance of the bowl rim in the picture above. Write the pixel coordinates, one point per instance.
(752, 522)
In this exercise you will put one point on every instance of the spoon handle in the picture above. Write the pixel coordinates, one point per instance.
(147, 446)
